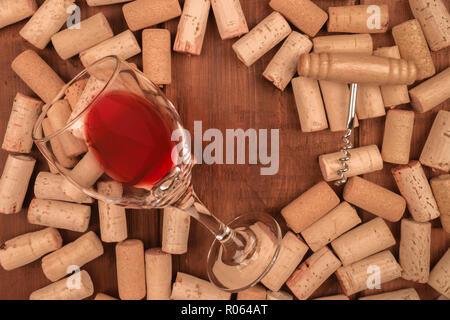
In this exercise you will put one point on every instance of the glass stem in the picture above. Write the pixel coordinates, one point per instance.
(236, 246)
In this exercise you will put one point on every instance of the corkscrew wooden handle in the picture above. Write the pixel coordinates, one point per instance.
(351, 68)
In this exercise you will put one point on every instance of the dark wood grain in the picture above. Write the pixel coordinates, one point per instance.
(221, 92)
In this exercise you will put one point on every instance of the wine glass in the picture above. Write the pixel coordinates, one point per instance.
(131, 134)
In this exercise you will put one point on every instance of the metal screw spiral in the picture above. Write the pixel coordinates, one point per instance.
(348, 145)
(346, 138)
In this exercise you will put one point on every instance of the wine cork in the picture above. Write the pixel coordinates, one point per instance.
(335, 297)
(12, 11)
(29, 247)
(398, 131)
(187, 287)
(367, 239)
(230, 18)
(85, 174)
(58, 114)
(312, 273)
(113, 219)
(73, 93)
(62, 291)
(311, 110)
(95, 3)
(404, 294)
(440, 275)
(47, 21)
(415, 245)
(369, 102)
(374, 199)
(441, 190)
(358, 19)
(58, 264)
(392, 95)
(48, 187)
(338, 221)
(123, 45)
(310, 207)
(38, 75)
(436, 151)
(156, 55)
(257, 292)
(346, 43)
(141, 14)
(91, 90)
(262, 38)
(411, 42)
(304, 14)
(104, 296)
(279, 295)
(128, 81)
(130, 270)
(414, 187)
(292, 251)
(14, 182)
(363, 160)
(283, 66)
(357, 68)
(92, 31)
(24, 113)
(368, 273)
(175, 232)
(57, 148)
(158, 270)
(434, 19)
(58, 214)
(431, 93)
(336, 97)
(192, 27)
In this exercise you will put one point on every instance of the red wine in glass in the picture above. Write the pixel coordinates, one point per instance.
(130, 138)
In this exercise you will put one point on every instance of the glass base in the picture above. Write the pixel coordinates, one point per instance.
(263, 235)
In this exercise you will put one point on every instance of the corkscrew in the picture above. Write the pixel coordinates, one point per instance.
(346, 138)
(355, 69)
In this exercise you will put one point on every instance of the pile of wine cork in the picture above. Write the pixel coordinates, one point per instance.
(320, 68)
(360, 247)
(58, 204)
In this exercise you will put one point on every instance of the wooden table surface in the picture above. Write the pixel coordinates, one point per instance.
(219, 90)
